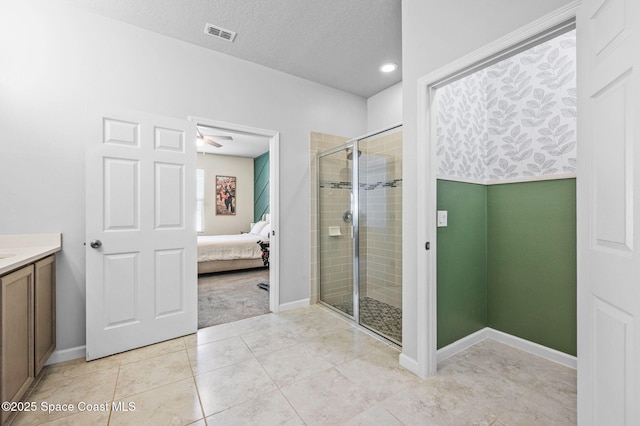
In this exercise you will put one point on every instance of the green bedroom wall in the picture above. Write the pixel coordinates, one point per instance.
(532, 262)
(525, 233)
(260, 186)
(462, 261)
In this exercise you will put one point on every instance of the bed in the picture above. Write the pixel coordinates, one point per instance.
(218, 253)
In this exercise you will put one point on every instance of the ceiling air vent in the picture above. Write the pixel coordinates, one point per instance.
(219, 32)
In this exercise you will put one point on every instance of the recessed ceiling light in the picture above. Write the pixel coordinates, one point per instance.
(388, 67)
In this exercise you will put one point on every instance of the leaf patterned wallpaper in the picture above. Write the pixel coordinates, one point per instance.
(513, 120)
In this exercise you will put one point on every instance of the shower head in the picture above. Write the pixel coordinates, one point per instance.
(350, 154)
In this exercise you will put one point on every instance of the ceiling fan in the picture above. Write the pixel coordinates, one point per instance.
(211, 139)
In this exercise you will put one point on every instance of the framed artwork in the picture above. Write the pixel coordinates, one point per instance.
(225, 195)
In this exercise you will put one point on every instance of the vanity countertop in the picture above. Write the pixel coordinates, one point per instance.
(20, 250)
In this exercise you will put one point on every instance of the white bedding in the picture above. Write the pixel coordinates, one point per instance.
(227, 247)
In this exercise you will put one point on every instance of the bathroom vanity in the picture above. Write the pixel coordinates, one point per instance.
(28, 316)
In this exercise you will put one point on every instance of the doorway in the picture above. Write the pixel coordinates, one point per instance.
(489, 162)
(233, 162)
(506, 156)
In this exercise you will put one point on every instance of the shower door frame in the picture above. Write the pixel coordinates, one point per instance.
(355, 224)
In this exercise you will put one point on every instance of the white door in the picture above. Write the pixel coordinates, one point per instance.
(608, 216)
(140, 231)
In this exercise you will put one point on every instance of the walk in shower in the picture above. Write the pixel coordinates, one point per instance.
(360, 231)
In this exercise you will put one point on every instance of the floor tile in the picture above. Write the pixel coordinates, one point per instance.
(375, 416)
(428, 403)
(535, 408)
(229, 386)
(314, 322)
(259, 323)
(328, 371)
(379, 372)
(150, 351)
(99, 418)
(267, 409)
(506, 361)
(344, 345)
(93, 388)
(140, 376)
(273, 339)
(328, 398)
(79, 367)
(486, 391)
(292, 364)
(210, 334)
(218, 354)
(173, 404)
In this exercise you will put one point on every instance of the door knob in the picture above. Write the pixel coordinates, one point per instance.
(95, 244)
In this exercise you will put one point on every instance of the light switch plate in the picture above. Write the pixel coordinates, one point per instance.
(442, 218)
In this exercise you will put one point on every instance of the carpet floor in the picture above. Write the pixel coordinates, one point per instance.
(230, 296)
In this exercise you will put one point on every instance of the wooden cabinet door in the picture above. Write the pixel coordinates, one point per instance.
(44, 311)
(16, 292)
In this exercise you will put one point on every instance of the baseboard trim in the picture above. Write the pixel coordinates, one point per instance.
(462, 344)
(410, 364)
(534, 348)
(302, 303)
(62, 355)
(508, 339)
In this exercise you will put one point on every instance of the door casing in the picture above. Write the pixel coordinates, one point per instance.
(424, 361)
(274, 198)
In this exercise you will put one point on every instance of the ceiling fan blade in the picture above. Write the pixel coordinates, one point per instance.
(212, 142)
(219, 137)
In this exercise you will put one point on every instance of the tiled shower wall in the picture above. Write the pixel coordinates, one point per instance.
(513, 120)
(318, 142)
(381, 218)
(336, 252)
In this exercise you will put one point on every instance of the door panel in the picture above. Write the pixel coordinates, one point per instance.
(608, 186)
(121, 288)
(121, 194)
(169, 196)
(335, 231)
(169, 282)
(141, 281)
(614, 212)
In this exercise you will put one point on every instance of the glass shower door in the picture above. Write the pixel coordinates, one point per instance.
(335, 229)
(380, 233)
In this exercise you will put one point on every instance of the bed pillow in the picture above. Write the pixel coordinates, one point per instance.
(266, 230)
(257, 227)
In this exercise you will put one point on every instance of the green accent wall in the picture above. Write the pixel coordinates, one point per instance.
(532, 262)
(525, 233)
(260, 186)
(461, 261)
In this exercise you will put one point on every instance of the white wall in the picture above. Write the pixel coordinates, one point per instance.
(435, 33)
(57, 61)
(226, 165)
(384, 109)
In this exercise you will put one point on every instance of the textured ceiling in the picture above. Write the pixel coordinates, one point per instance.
(338, 43)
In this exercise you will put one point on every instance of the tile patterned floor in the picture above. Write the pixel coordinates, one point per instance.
(306, 366)
(380, 317)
